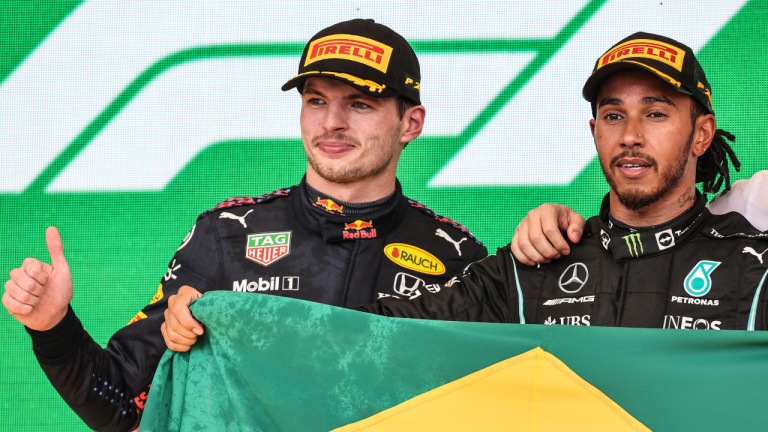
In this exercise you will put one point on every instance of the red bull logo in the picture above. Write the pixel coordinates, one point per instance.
(357, 226)
(350, 47)
(329, 205)
(645, 48)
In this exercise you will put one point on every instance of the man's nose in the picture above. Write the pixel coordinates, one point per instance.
(633, 135)
(336, 117)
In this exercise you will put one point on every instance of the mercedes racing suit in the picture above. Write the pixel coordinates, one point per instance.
(698, 271)
(286, 243)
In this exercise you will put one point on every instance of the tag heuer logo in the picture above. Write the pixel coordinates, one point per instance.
(266, 248)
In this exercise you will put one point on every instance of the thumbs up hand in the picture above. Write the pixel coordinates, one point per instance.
(38, 293)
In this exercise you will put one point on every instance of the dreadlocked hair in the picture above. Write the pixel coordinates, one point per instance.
(712, 167)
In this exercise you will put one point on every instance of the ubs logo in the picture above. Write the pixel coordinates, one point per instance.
(573, 278)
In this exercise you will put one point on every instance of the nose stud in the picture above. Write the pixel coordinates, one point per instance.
(639, 135)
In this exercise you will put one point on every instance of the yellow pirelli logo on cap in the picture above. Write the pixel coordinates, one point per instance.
(645, 48)
(350, 47)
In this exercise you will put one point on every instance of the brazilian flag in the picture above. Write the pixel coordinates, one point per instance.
(268, 363)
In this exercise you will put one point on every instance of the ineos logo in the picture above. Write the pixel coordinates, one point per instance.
(576, 276)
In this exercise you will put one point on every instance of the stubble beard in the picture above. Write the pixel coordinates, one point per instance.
(343, 173)
(634, 198)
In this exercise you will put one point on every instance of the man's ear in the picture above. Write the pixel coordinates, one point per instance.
(703, 133)
(413, 120)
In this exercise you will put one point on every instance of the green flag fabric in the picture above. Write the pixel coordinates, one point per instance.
(268, 363)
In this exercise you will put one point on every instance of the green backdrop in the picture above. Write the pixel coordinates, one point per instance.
(119, 239)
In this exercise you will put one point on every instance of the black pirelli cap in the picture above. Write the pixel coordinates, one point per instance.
(365, 55)
(666, 58)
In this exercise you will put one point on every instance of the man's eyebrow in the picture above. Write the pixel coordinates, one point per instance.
(362, 96)
(658, 98)
(310, 89)
(610, 101)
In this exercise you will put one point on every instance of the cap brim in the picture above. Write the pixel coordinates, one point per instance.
(366, 86)
(592, 86)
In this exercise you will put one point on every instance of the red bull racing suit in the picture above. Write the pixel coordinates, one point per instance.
(699, 271)
(291, 243)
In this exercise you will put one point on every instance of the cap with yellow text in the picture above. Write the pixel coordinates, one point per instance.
(668, 59)
(365, 55)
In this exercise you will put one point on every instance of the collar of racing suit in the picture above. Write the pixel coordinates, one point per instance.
(656, 240)
(326, 218)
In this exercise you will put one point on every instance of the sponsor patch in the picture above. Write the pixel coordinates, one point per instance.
(411, 82)
(290, 283)
(158, 295)
(356, 230)
(695, 301)
(582, 320)
(633, 241)
(443, 234)
(187, 238)
(751, 251)
(585, 299)
(574, 278)
(139, 316)
(683, 322)
(266, 248)
(665, 239)
(172, 268)
(241, 219)
(414, 258)
(329, 205)
(350, 47)
(698, 282)
(645, 48)
(407, 285)
(358, 225)
(605, 239)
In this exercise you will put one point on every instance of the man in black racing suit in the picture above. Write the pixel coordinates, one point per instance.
(297, 242)
(654, 256)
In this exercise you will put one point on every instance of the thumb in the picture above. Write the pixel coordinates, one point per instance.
(56, 249)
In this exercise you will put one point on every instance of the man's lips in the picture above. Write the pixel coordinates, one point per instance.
(334, 147)
(633, 167)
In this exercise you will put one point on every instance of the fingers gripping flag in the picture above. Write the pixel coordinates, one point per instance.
(269, 363)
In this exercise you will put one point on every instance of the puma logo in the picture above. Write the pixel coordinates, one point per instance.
(443, 234)
(754, 252)
(228, 215)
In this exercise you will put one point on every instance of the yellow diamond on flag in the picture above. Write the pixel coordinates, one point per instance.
(533, 391)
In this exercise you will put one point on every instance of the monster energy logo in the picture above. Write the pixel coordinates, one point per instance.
(635, 241)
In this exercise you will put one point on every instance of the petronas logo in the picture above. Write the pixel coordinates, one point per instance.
(633, 241)
(698, 282)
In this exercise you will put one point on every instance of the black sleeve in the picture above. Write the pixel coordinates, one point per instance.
(478, 253)
(107, 387)
(485, 292)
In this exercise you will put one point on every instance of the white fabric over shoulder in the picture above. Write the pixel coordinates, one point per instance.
(748, 197)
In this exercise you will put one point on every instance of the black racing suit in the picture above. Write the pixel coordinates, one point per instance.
(285, 243)
(698, 271)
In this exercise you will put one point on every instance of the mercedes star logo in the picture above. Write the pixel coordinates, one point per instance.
(575, 276)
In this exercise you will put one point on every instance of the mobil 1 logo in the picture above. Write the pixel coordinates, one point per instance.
(266, 248)
(289, 283)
